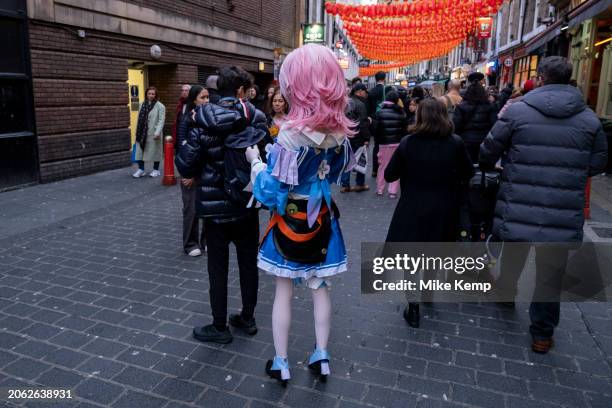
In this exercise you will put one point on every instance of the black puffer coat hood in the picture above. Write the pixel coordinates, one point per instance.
(390, 124)
(557, 101)
(216, 128)
(553, 144)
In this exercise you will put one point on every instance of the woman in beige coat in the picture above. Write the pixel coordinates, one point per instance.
(149, 130)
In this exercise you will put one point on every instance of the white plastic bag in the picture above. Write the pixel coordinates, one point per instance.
(361, 159)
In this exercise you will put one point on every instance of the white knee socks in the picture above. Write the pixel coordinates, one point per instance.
(281, 316)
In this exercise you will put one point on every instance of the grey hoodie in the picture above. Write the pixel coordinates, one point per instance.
(553, 143)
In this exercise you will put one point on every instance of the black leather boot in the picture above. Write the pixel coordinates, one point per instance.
(412, 315)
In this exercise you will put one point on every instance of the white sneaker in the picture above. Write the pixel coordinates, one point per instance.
(139, 173)
(195, 252)
(155, 173)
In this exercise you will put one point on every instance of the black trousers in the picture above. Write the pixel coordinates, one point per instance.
(244, 233)
(375, 158)
(551, 263)
(192, 237)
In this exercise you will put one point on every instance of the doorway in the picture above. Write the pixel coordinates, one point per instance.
(136, 87)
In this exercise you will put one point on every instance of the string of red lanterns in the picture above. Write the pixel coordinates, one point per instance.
(404, 33)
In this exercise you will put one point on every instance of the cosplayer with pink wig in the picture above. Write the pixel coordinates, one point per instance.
(303, 243)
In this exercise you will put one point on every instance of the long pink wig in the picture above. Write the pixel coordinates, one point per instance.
(313, 83)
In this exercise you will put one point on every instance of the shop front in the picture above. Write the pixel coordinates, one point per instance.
(591, 57)
(18, 147)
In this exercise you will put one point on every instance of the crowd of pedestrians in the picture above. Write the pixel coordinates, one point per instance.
(239, 151)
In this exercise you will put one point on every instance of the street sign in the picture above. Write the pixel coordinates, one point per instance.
(314, 33)
(508, 62)
(485, 25)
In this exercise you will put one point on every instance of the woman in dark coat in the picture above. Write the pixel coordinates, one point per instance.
(474, 116)
(433, 166)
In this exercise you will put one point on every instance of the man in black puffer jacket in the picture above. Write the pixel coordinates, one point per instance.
(554, 142)
(229, 123)
(389, 126)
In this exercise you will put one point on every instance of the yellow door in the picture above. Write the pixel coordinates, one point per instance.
(136, 89)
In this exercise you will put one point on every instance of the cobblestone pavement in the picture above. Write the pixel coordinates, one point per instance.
(101, 301)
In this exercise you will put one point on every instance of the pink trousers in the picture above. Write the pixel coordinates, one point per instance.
(384, 157)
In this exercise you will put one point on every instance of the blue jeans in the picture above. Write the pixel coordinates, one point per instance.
(346, 179)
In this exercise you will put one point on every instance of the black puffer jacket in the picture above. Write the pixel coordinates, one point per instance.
(554, 142)
(390, 124)
(473, 122)
(202, 153)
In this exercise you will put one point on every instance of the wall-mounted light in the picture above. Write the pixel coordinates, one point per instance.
(262, 66)
(565, 27)
(603, 42)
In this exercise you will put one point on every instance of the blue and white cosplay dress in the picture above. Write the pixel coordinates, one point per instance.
(301, 166)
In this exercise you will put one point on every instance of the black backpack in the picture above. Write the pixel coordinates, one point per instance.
(237, 170)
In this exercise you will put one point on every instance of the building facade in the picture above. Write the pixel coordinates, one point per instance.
(79, 68)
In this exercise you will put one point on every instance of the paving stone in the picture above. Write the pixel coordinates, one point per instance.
(558, 395)
(530, 371)
(475, 397)
(101, 367)
(584, 382)
(431, 388)
(179, 390)
(138, 378)
(99, 391)
(71, 339)
(478, 362)
(9, 340)
(106, 348)
(385, 397)
(214, 398)
(267, 390)
(59, 378)
(140, 357)
(6, 358)
(26, 368)
(67, 358)
(402, 363)
(133, 399)
(501, 383)
(451, 373)
(35, 349)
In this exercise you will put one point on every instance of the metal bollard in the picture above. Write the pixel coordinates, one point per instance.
(169, 179)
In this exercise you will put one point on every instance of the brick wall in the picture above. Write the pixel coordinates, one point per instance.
(80, 93)
(273, 20)
(168, 80)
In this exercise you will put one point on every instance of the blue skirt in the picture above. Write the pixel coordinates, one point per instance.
(270, 260)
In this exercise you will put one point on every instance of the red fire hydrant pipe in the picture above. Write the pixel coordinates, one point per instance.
(169, 179)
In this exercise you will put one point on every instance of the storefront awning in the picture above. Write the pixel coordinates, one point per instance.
(588, 10)
(541, 39)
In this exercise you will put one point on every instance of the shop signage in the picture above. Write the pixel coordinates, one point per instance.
(339, 45)
(508, 62)
(485, 25)
(364, 63)
(314, 33)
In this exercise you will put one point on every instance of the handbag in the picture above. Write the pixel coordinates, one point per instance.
(133, 158)
(361, 159)
(295, 240)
